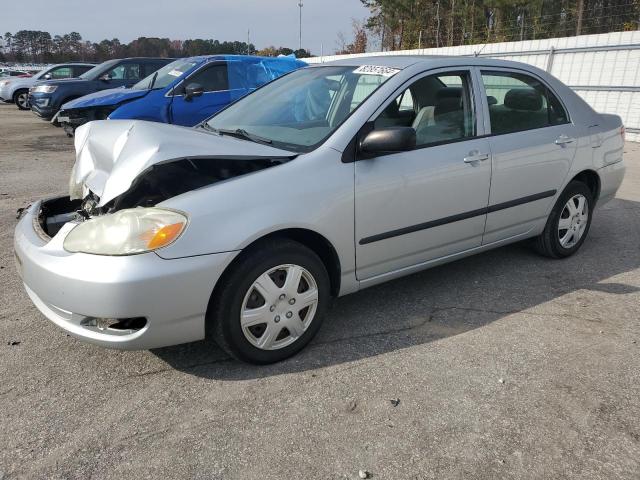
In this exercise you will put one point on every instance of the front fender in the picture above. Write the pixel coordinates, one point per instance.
(313, 192)
(149, 108)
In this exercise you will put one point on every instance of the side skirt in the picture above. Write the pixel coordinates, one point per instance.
(385, 277)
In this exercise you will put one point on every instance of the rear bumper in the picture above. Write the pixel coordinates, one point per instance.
(611, 178)
(72, 289)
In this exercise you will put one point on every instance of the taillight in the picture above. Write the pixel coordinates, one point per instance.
(622, 133)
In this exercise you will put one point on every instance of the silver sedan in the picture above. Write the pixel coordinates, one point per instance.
(328, 180)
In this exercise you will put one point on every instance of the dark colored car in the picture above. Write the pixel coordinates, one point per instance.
(184, 92)
(46, 97)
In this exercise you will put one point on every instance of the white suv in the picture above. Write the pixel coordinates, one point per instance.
(16, 90)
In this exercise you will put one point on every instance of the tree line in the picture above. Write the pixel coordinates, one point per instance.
(34, 46)
(408, 24)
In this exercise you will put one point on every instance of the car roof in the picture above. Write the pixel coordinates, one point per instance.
(430, 61)
(74, 64)
(230, 56)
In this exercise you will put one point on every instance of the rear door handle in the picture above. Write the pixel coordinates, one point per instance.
(476, 157)
(563, 140)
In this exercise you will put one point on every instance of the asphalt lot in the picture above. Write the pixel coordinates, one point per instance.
(506, 365)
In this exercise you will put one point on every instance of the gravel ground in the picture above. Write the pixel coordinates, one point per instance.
(505, 365)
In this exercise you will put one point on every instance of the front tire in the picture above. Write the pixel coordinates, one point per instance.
(270, 303)
(568, 223)
(21, 99)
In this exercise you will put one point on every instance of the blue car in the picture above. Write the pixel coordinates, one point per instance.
(46, 97)
(185, 92)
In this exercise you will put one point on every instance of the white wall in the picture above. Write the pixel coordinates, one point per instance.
(603, 69)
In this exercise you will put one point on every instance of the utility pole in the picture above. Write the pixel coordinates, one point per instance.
(300, 30)
(248, 42)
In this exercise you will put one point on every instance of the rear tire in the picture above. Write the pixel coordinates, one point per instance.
(21, 99)
(270, 303)
(568, 223)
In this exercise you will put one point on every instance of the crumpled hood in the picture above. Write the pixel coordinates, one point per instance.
(110, 154)
(104, 98)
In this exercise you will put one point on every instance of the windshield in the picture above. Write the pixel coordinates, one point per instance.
(98, 70)
(302, 109)
(166, 75)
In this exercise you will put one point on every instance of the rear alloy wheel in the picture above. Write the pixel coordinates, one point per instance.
(573, 221)
(21, 99)
(568, 223)
(270, 303)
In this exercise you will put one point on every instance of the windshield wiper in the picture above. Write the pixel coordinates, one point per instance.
(238, 133)
(153, 81)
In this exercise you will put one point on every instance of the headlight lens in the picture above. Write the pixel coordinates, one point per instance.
(127, 232)
(45, 89)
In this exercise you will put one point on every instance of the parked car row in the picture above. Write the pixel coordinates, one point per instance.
(182, 92)
(327, 180)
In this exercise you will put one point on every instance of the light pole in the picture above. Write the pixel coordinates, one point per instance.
(300, 30)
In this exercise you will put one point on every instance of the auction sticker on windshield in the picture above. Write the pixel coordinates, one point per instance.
(376, 70)
(175, 73)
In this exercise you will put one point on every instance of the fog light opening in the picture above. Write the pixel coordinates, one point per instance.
(119, 324)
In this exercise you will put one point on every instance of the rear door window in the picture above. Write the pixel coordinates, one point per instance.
(519, 102)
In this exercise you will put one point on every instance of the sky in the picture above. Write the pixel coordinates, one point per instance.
(271, 22)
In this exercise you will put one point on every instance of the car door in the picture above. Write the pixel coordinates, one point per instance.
(214, 80)
(417, 206)
(533, 144)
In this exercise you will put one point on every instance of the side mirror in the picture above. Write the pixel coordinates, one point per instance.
(388, 140)
(47, 76)
(105, 78)
(193, 90)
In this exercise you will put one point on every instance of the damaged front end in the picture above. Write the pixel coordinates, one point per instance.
(120, 168)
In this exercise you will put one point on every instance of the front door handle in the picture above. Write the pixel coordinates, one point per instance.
(476, 157)
(563, 140)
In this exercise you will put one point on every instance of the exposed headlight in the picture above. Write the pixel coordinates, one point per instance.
(127, 232)
(45, 89)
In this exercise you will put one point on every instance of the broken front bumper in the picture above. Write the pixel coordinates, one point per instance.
(83, 293)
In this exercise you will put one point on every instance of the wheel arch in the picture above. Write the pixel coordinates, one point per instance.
(17, 91)
(592, 180)
(318, 243)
